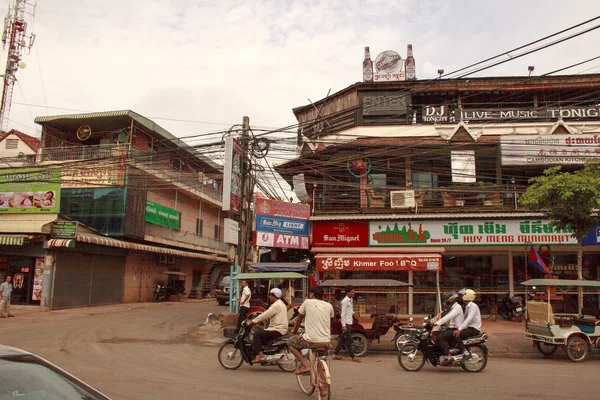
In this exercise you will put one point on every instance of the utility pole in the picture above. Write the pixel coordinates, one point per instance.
(246, 195)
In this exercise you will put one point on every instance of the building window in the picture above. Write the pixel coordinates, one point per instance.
(217, 231)
(198, 227)
(12, 144)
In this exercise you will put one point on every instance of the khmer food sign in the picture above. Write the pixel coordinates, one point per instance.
(467, 233)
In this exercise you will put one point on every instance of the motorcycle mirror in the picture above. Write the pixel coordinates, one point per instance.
(410, 319)
(426, 319)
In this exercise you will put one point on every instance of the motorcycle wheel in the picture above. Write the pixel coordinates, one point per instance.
(546, 349)
(401, 341)
(494, 316)
(304, 381)
(407, 363)
(230, 357)
(519, 316)
(477, 361)
(287, 363)
(359, 343)
(155, 297)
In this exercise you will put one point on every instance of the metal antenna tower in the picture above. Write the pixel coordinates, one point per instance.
(19, 43)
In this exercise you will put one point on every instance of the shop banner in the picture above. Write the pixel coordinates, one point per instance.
(64, 229)
(340, 234)
(281, 225)
(593, 237)
(278, 208)
(29, 191)
(162, 216)
(467, 233)
(549, 149)
(36, 294)
(379, 262)
(232, 176)
(281, 240)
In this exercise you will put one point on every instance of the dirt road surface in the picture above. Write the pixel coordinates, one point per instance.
(163, 351)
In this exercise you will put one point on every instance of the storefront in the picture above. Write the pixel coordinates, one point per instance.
(23, 260)
(486, 255)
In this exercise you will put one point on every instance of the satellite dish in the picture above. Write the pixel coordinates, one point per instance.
(21, 64)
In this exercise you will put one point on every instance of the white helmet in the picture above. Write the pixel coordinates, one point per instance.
(469, 295)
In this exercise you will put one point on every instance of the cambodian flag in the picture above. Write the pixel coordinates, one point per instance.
(534, 259)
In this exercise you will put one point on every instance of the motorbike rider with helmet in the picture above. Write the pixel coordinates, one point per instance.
(471, 325)
(454, 318)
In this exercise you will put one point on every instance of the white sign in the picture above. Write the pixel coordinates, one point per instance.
(281, 240)
(231, 231)
(388, 67)
(232, 176)
(300, 188)
(549, 149)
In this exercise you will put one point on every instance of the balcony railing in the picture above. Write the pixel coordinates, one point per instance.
(145, 161)
(426, 200)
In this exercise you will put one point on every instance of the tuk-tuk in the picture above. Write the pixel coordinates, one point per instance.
(382, 321)
(577, 334)
(261, 283)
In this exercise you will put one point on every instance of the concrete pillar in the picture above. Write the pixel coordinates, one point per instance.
(48, 279)
(511, 274)
(410, 292)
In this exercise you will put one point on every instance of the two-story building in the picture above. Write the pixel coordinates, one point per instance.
(409, 179)
(146, 204)
(17, 147)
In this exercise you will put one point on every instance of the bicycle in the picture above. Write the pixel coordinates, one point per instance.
(488, 310)
(319, 376)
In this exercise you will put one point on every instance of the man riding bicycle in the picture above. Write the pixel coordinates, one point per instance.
(317, 328)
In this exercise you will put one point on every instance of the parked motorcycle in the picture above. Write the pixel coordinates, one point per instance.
(159, 293)
(404, 334)
(239, 349)
(511, 307)
(413, 355)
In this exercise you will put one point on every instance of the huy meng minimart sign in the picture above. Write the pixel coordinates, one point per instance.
(467, 233)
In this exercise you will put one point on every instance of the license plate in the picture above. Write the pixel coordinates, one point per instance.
(519, 309)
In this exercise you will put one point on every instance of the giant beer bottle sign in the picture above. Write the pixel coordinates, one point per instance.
(389, 67)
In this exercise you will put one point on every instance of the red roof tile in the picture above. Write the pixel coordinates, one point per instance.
(33, 143)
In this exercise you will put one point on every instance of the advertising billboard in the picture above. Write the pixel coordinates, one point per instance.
(29, 191)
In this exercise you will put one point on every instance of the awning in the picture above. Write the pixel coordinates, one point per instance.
(12, 240)
(364, 283)
(279, 267)
(379, 262)
(68, 243)
(269, 275)
(121, 244)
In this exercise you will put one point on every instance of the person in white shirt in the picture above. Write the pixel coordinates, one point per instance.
(278, 324)
(346, 317)
(317, 327)
(244, 302)
(471, 326)
(454, 319)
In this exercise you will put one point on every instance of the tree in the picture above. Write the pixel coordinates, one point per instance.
(568, 199)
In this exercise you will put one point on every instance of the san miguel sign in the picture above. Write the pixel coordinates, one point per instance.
(376, 262)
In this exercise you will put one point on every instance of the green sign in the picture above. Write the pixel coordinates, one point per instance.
(29, 191)
(161, 215)
(64, 230)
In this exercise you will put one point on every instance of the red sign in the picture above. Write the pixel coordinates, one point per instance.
(379, 262)
(277, 208)
(24, 269)
(281, 240)
(341, 234)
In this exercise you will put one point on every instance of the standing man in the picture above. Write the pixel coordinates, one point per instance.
(244, 302)
(347, 314)
(471, 326)
(278, 324)
(6, 289)
(317, 329)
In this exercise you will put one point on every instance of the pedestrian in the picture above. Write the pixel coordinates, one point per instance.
(6, 289)
(244, 302)
(347, 315)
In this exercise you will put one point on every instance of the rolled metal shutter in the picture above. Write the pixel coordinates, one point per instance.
(72, 280)
(107, 280)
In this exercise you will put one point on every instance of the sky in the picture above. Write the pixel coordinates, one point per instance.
(212, 62)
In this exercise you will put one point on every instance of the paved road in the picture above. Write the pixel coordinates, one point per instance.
(162, 351)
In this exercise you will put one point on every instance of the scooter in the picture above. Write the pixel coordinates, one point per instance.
(159, 293)
(239, 349)
(511, 307)
(404, 334)
(413, 355)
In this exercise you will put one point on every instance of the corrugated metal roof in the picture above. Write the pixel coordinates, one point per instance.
(351, 217)
(140, 119)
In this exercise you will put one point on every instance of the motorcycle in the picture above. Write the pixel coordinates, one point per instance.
(413, 355)
(159, 293)
(404, 334)
(511, 307)
(239, 349)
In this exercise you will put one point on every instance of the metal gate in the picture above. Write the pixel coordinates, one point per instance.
(84, 280)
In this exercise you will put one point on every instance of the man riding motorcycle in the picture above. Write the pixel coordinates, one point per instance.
(454, 318)
(278, 324)
(471, 325)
